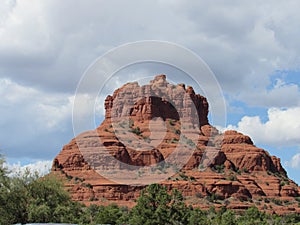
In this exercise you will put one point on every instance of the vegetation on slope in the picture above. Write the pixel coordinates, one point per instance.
(31, 199)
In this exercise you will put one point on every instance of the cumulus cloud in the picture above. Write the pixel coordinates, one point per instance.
(45, 47)
(282, 127)
(33, 123)
(40, 167)
(295, 161)
(241, 42)
(281, 94)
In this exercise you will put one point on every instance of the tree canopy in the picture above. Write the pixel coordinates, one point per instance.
(29, 198)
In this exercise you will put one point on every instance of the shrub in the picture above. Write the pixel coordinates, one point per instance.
(69, 177)
(174, 140)
(79, 179)
(178, 132)
(147, 139)
(198, 195)
(171, 122)
(192, 178)
(136, 131)
(214, 197)
(245, 170)
(232, 178)
(276, 201)
(88, 185)
(219, 168)
(183, 176)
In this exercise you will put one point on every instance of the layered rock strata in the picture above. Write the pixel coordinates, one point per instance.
(145, 126)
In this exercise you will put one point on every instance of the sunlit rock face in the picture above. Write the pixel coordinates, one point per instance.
(156, 125)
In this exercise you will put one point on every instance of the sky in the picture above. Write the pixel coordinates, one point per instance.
(252, 47)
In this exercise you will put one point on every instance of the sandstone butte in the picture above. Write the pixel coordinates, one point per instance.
(143, 126)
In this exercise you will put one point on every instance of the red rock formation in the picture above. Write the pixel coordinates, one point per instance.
(158, 99)
(222, 169)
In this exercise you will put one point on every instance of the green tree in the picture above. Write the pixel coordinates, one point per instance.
(198, 217)
(28, 198)
(228, 218)
(253, 216)
(39, 212)
(108, 215)
(6, 216)
(178, 212)
(125, 215)
(48, 190)
(152, 206)
(3, 173)
(48, 198)
(63, 214)
(156, 206)
(17, 200)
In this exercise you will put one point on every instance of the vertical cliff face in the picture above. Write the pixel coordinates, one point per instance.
(145, 126)
(157, 99)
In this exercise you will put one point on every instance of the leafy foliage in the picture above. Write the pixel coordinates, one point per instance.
(136, 131)
(31, 199)
(156, 206)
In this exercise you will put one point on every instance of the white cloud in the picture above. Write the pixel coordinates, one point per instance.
(39, 167)
(45, 46)
(241, 42)
(295, 161)
(281, 95)
(33, 123)
(282, 127)
(36, 124)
